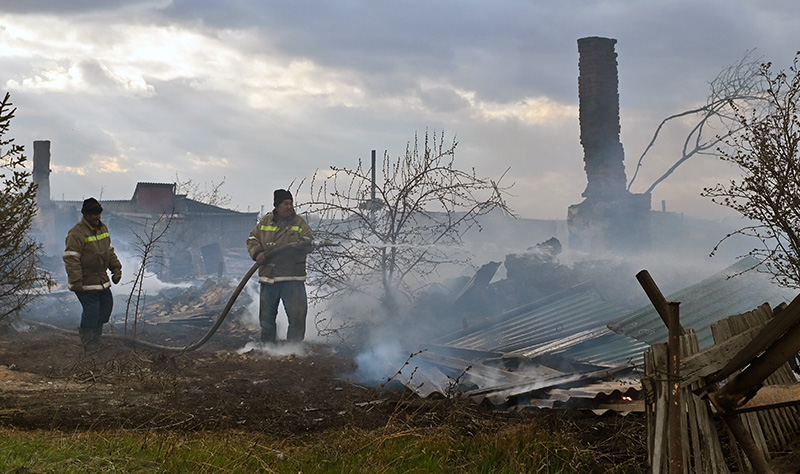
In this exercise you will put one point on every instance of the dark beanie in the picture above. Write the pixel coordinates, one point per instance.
(280, 196)
(91, 206)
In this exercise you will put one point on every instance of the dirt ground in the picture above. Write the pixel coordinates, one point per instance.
(48, 382)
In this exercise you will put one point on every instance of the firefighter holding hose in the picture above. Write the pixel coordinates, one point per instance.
(280, 243)
(88, 258)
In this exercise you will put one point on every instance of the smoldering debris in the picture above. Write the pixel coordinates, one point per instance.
(172, 310)
(195, 305)
(518, 343)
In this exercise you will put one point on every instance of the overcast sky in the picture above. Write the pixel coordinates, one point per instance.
(264, 93)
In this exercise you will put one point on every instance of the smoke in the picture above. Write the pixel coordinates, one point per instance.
(250, 318)
(386, 342)
(679, 257)
(280, 350)
(151, 284)
(384, 356)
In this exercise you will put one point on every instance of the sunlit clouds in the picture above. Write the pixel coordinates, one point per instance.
(109, 164)
(539, 110)
(202, 162)
(69, 170)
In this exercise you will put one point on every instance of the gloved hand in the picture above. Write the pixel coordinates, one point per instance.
(304, 246)
(116, 277)
(261, 258)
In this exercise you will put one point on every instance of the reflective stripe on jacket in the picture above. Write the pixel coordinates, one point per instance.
(88, 257)
(268, 235)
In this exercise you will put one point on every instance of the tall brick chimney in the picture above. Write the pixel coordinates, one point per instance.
(47, 214)
(610, 218)
(41, 171)
(599, 117)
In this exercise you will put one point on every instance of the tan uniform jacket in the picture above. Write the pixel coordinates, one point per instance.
(268, 235)
(88, 257)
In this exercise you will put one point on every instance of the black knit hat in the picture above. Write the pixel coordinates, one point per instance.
(91, 206)
(280, 196)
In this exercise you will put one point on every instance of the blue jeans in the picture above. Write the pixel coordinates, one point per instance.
(97, 306)
(295, 303)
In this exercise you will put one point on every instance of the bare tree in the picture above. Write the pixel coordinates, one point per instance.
(767, 151)
(391, 237)
(739, 83)
(147, 247)
(210, 194)
(21, 278)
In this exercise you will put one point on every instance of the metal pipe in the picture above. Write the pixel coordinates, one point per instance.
(372, 195)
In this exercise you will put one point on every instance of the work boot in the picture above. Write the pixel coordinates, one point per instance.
(96, 333)
(87, 336)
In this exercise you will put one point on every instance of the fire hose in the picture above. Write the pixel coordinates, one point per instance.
(220, 318)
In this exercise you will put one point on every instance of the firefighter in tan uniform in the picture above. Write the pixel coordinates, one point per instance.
(88, 258)
(280, 242)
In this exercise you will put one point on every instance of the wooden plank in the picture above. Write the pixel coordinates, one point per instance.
(714, 358)
(692, 455)
(623, 407)
(775, 328)
(773, 396)
(649, 390)
(762, 428)
(708, 457)
(785, 376)
(786, 416)
(732, 362)
(779, 424)
(741, 323)
(723, 331)
(660, 382)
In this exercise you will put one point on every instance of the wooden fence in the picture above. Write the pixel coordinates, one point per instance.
(707, 444)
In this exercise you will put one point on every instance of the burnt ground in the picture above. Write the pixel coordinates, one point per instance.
(48, 382)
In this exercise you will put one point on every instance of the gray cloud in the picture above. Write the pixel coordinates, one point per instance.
(356, 76)
(72, 7)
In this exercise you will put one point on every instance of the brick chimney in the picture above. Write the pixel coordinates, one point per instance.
(610, 218)
(47, 215)
(41, 171)
(599, 117)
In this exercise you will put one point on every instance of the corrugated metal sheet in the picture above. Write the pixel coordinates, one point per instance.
(516, 358)
(524, 356)
(702, 304)
(598, 346)
(571, 323)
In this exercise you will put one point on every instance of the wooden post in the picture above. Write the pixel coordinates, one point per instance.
(744, 439)
(674, 410)
(656, 297)
(671, 316)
